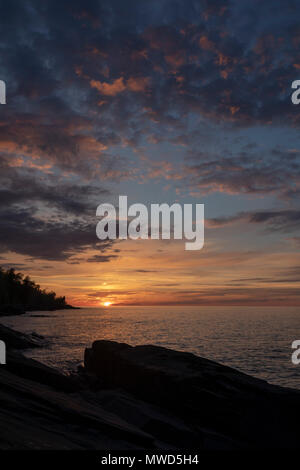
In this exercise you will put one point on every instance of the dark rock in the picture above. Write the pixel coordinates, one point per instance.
(16, 340)
(159, 422)
(34, 415)
(215, 398)
(30, 369)
(142, 397)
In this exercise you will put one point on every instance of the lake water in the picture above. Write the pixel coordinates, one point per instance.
(254, 340)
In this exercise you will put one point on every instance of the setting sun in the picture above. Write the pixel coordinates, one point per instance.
(106, 304)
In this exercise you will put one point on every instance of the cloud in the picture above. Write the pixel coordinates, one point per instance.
(135, 84)
(92, 85)
(142, 271)
(27, 234)
(101, 258)
(109, 89)
(295, 240)
(282, 220)
(154, 65)
(19, 186)
(275, 172)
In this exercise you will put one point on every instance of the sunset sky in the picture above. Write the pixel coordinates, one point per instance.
(162, 101)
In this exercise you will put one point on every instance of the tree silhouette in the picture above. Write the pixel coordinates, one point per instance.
(17, 290)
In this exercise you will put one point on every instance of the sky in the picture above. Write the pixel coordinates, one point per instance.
(163, 101)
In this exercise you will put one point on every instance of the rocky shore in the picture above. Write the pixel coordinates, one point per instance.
(142, 397)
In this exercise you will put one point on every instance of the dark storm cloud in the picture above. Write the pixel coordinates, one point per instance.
(27, 234)
(70, 199)
(60, 223)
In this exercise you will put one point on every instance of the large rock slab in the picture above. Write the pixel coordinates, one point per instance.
(36, 414)
(213, 397)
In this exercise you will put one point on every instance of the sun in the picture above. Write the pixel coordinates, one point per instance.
(107, 304)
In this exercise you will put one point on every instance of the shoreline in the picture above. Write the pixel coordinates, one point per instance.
(139, 398)
(11, 310)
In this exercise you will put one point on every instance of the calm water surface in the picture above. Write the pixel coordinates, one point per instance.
(254, 340)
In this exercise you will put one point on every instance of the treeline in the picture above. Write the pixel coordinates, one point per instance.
(19, 290)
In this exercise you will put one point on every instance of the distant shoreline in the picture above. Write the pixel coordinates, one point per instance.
(11, 310)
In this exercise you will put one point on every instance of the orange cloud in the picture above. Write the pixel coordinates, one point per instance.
(109, 89)
(224, 74)
(234, 109)
(176, 59)
(222, 59)
(136, 84)
(206, 44)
